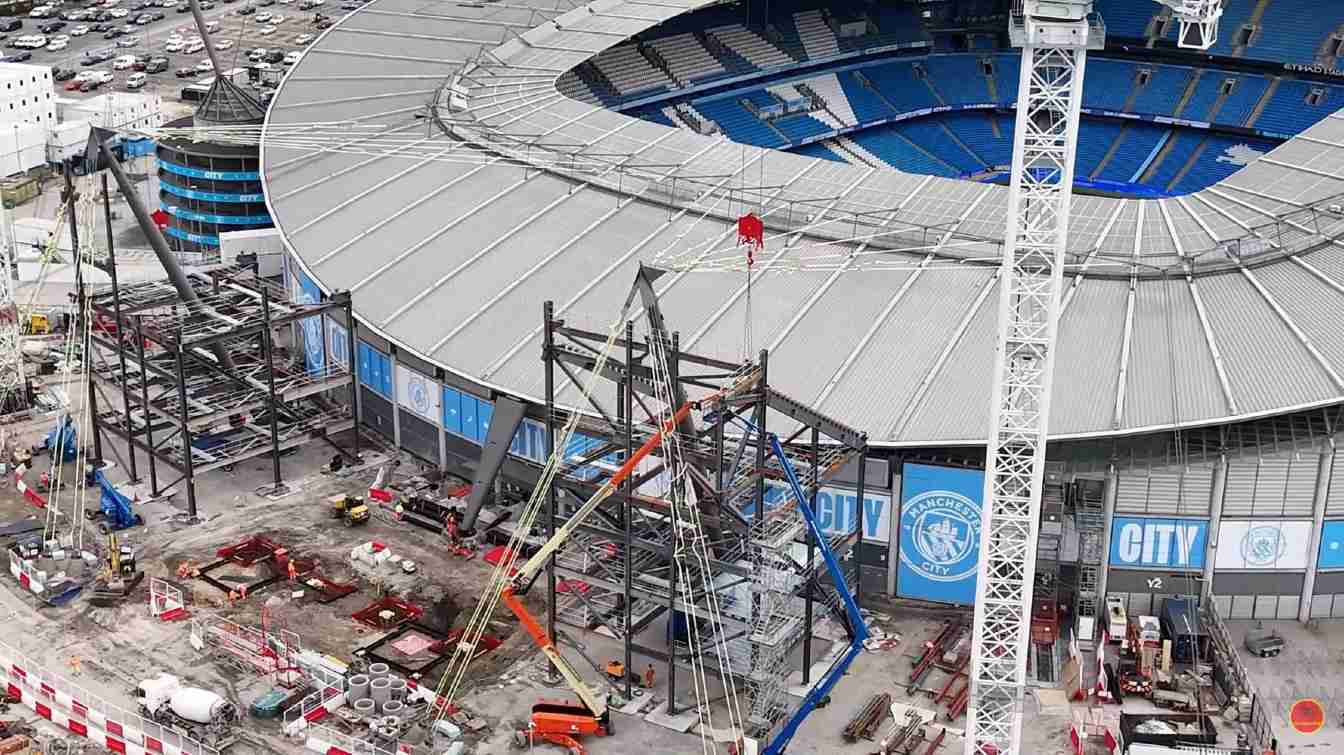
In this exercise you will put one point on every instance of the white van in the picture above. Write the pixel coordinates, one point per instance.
(193, 46)
(212, 26)
(137, 80)
(123, 62)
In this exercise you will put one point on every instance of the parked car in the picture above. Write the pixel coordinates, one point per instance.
(118, 13)
(174, 46)
(263, 17)
(89, 86)
(157, 15)
(276, 18)
(18, 57)
(205, 66)
(193, 47)
(57, 45)
(207, 5)
(183, 7)
(292, 58)
(136, 80)
(123, 62)
(104, 76)
(156, 65)
(63, 74)
(185, 73)
(304, 39)
(113, 34)
(273, 56)
(256, 54)
(11, 24)
(73, 85)
(79, 31)
(224, 44)
(266, 31)
(51, 27)
(246, 11)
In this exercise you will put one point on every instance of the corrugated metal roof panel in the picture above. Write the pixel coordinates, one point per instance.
(898, 357)
(1168, 345)
(959, 407)
(1311, 304)
(1266, 364)
(1091, 334)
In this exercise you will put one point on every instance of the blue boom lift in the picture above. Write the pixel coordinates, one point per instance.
(117, 513)
(858, 630)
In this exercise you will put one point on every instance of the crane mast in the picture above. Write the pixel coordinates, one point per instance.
(1054, 36)
(13, 387)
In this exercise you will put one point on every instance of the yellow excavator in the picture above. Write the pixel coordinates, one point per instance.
(350, 509)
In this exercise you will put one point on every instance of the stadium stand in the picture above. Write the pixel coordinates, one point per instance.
(629, 72)
(750, 46)
(700, 50)
(817, 37)
(687, 59)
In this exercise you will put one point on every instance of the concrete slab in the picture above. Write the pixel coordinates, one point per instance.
(683, 721)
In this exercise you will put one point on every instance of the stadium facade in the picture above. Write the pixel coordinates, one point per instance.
(1198, 383)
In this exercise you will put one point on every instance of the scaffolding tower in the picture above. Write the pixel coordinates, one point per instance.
(621, 571)
(200, 386)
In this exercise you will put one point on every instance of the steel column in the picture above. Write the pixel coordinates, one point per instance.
(625, 408)
(144, 407)
(268, 353)
(190, 476)
(548, 356)
(121, 327)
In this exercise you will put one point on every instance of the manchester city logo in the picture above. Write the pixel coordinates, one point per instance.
(312, 339)
(1262, 545)
(941, 535)
(419, 396)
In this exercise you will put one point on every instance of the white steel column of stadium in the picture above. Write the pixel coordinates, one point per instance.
(1055, 36)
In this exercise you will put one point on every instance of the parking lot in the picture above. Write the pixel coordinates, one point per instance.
(237, 33)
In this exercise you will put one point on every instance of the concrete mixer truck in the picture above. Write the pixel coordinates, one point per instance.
(197, 713)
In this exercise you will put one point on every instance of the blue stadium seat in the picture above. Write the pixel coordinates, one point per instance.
(817, 149)
(1136, 146)
(958, 78)
(1291, 32)
(1107, 85)
(739, 124)
(1245, 94)
(888, 144)
(1218, 161)
(1288, 111)
(868, 107)
(1163, 90)
(1125, 18)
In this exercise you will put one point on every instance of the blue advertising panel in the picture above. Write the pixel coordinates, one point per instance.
(1332, 546)
(338, 343)
(314, 347)
(484, 411)
(452, 410)
(375, 370)
(1140, 542)
(940, 533)
(469, 404)
(837, 509)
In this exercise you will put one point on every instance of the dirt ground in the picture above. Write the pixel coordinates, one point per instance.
(122, 645)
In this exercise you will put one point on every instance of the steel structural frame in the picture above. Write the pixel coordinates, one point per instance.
(169, 388)
(1054, 57)
(635, 586)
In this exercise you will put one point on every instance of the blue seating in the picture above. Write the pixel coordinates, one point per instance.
(868, 107)
(1125, 18)
(1243, 99)
(930, 134)
(1136, 146)
(958, 78)
(1288, 111)
(739, 124)
(1290, 32)
(1163, 90)
(1215, 163)
(801, 127)
(975, 130)
(888, 144)
(1107, 85)
(817, 149)
(1206, 93)
(1179, 147)
(1094, 141)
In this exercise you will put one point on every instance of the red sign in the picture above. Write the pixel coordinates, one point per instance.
(1307, 716)
(160, 218)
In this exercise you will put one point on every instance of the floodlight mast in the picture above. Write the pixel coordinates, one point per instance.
(1055, 36)
(1199, 22)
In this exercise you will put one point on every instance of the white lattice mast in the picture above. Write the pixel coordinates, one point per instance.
(1199, 22)
(13, 391)
(1054, 36)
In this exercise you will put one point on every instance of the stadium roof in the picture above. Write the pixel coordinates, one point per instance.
(1218, 305)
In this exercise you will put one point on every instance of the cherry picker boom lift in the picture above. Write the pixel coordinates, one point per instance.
(560, 722)
(858, 630)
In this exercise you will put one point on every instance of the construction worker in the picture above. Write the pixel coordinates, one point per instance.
(648, 677)
(74, 665)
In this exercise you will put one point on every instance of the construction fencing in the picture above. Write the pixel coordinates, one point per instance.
(1232, 675)
(83, 713)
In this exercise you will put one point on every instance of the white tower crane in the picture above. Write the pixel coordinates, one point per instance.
(13, 390)
(1055, 36)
